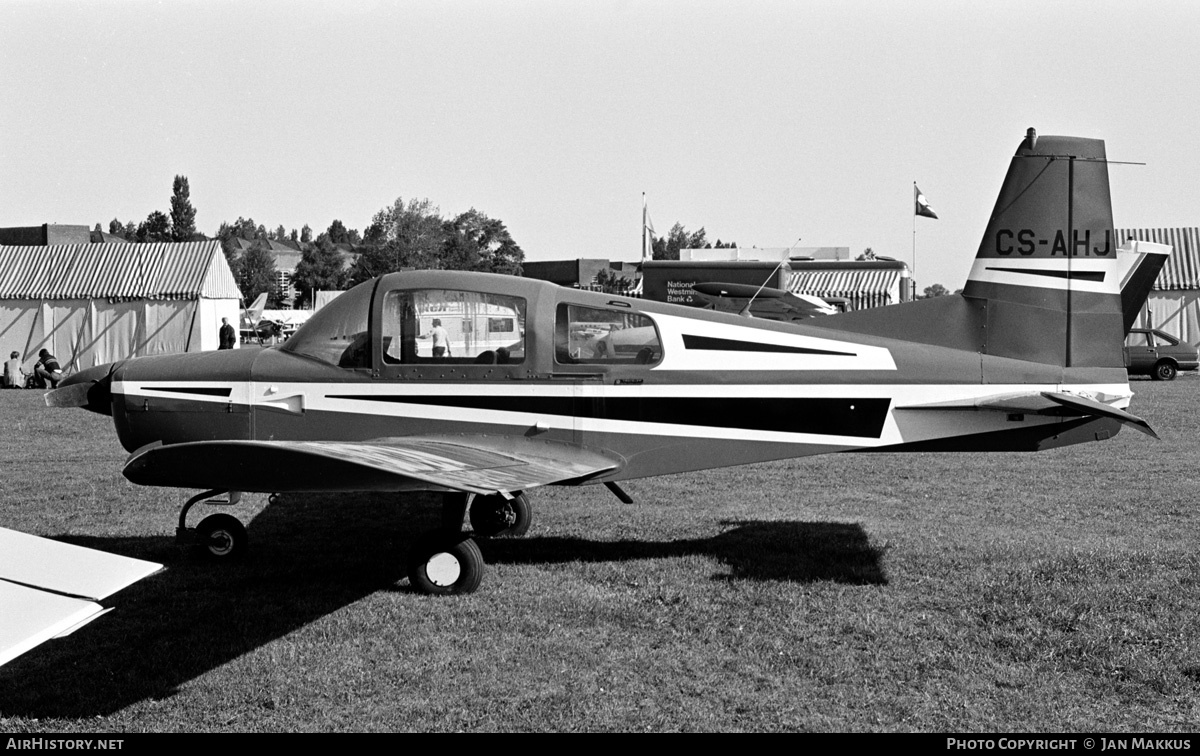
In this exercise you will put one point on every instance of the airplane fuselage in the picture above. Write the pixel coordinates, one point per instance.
(709, 389)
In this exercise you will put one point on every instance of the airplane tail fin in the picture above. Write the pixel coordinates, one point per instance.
(1053, 285)
(252, 314)
(1048, 284)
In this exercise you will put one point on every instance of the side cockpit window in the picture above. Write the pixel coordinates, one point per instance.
(596, 336)
(458, 327)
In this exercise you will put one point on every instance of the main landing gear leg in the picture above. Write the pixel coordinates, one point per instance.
(447, 561)
(221, 536)
(494, 515)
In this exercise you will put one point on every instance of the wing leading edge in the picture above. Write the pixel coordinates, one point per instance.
(475, 464)
(49, 589)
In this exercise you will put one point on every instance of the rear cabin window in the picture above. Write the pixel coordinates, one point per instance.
(1137, 340)
(446, 326)
(596, 336)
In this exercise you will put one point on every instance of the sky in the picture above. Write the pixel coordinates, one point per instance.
(771, 124)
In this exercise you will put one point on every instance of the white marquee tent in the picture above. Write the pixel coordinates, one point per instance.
(95, 303)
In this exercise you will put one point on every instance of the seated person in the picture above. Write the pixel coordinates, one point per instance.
(47, 369)
(14, 376)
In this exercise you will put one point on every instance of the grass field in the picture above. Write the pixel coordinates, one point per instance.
(928, 592)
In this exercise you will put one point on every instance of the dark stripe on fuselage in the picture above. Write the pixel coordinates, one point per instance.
(733, 345)
(201, 390)
(860, 418)
(1077, 275)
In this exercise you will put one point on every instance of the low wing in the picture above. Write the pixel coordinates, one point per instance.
(475, 464)
(49, 589)
(1043, 403)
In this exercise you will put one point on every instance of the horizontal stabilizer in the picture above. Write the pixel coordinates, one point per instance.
(1092, 407)
(475, 464)
(49, 589)
(1041, 403)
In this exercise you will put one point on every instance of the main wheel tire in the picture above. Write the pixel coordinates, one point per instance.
(493, 515)
(445, 565)
(222, 537)
(1165, 371)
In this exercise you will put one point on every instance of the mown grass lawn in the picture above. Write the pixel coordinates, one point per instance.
(928, 592)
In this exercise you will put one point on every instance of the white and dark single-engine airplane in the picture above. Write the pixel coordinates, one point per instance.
(486, 386)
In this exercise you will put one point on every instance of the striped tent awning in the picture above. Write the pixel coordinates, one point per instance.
(1182, 270)
(185, 270)
(864, 288)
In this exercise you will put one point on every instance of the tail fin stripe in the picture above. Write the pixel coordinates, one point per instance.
(1084, 275)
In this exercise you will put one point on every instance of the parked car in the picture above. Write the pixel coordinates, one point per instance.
(1161, 356)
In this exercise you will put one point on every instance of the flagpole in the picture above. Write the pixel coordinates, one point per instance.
(643, 227)
(913, 277)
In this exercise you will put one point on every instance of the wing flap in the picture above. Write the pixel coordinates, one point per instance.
(475, 464)
(31, 617)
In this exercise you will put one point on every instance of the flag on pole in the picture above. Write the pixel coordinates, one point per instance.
(647, 232)
(921, 204)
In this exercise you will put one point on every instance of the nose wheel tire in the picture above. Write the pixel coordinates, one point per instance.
(222, 537)
(446, 564)
(493, 515)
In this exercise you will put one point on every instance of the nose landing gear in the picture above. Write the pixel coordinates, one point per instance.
(220, 536)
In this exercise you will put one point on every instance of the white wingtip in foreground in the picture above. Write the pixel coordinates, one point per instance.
(49, 589)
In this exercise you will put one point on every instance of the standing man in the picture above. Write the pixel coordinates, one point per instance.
(441, 339)
(228, 337)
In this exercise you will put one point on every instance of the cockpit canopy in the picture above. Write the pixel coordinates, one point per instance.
(445, 325)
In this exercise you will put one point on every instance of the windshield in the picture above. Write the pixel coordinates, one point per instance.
(338, 333)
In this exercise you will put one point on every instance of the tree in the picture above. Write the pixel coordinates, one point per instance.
(255, 273)
(476, 242)
(403, 235)
(116, 228)
(242, 228)
(306, 235)
(183, 215)
(156, 228)
(678, 238)
(338, 234)
(321, 267)
(280, 233)
(937, 290)
(611, 283)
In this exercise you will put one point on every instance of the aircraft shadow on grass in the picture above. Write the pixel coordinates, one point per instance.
(196, 616)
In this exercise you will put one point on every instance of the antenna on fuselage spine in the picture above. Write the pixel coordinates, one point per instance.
(786, 259)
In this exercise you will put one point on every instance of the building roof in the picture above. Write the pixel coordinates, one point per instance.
(1182, 270)
(287, 260)
(185, 270)
(767, 254)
